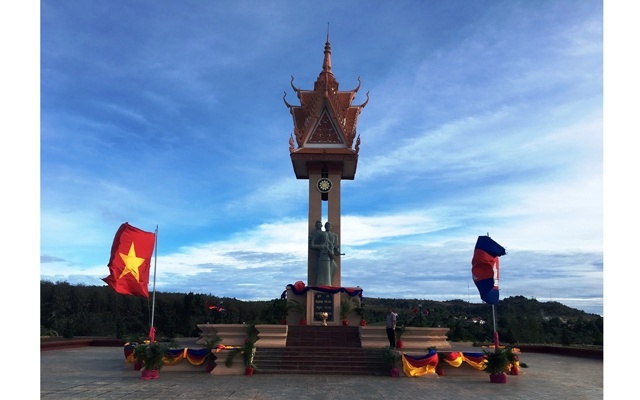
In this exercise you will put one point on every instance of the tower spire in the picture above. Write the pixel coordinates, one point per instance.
(326, 64)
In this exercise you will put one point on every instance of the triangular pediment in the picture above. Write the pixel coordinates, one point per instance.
(325, 132)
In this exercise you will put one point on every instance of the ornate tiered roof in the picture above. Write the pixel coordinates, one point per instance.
(324, 124)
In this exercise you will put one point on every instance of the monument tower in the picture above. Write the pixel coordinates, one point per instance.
(324, 150)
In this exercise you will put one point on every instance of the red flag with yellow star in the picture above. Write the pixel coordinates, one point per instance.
(130, 261)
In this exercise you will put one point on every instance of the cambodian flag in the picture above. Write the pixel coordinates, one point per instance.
(485, 268)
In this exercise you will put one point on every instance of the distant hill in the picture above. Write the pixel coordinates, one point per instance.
(459, 308)
(79, 310)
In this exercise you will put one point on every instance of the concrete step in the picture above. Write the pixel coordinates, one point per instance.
(314, 360)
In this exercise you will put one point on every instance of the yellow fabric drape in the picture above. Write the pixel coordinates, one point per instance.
(424, 366)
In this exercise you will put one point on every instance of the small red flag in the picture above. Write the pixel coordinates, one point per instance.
(130, 261)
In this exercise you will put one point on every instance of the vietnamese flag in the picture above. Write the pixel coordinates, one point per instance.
(130, 261)
(485, 268)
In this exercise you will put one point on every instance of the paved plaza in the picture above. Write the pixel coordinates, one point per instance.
(100, 373)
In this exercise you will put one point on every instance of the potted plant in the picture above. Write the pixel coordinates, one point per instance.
(400, 330)
(298, 307)
(150, 356)
(211, 345)
(441, 358)
(391, 359)
(513, 359)
(496, 363)
(248, 351)
(129, 346)
(441, 364)
(359, 309)
(280, 311)
(345, 309)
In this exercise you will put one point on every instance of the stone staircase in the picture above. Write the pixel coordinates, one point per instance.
(327, 350)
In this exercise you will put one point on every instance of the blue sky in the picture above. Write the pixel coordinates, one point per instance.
(484, 117)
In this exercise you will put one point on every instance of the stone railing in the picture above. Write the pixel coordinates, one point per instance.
(272, 335)
(235, 334)
(414, 338)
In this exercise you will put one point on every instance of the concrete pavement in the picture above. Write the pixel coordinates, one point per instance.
(100, 373)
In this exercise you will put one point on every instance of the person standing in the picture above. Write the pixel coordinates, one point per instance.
(391, 327)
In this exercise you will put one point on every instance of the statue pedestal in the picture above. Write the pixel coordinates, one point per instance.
(324, 302)
(320, 299)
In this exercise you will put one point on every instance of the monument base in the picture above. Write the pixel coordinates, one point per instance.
(320, 299)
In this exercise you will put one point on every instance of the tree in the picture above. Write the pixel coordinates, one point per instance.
(72, 310)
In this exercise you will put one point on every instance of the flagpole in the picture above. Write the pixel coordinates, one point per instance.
(496, 340)
(153, 301)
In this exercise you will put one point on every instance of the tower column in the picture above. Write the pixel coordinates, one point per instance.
(334, 217)
(315, 214)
